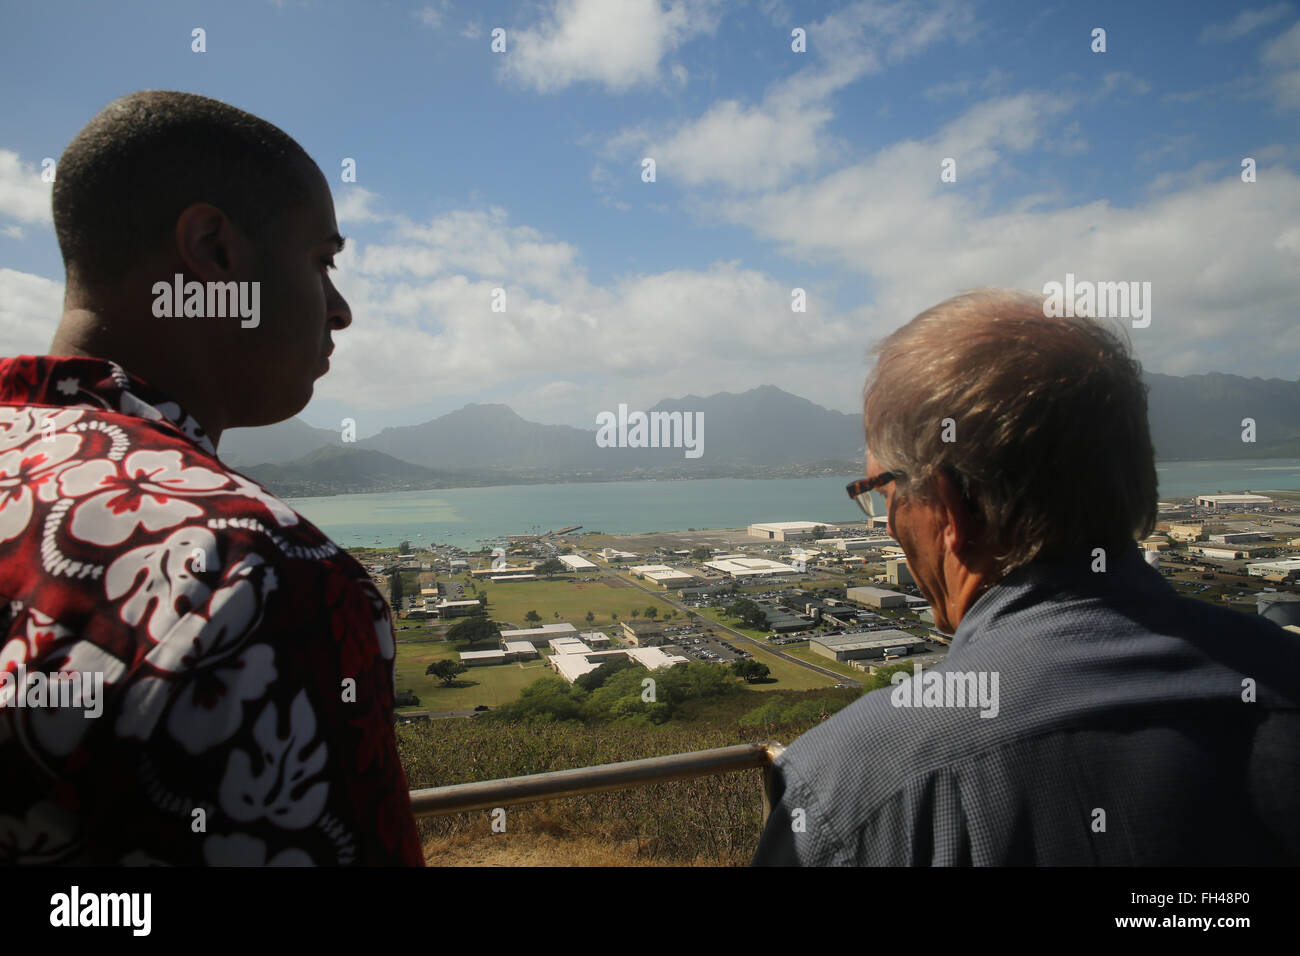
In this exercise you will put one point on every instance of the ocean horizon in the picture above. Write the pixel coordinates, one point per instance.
(468, 517)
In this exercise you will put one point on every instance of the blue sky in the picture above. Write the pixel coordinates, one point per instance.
(774, 170)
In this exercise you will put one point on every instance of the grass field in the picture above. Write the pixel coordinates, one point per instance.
(804, 653)
(510, 601)
(493, 685)
(789, 676)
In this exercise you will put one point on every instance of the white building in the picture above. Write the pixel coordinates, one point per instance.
(478, 658)
(1281, 566)
(596, 638)
(576, 562)
(613, 554)
(569, 645)
(520, 650)
(545, 632)
(750, 567)
(573, 666)
(445, 608)
(1215, 502)
(876, 597)
(788, 530)
(662, 575)
(896, 571)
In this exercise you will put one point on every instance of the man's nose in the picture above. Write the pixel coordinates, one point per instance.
(338, 311)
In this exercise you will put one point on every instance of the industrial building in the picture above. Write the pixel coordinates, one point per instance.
(613, 554)
(1282, 609)
(864, 644)
(641, 633)
(896, 572)
(854, 544)
(662, 575)
(1281, 567)
(576, 562)
(750, 567)
(595, 638)
(1220, 502)
(876, 597)
(788, 530)
(1239, 537)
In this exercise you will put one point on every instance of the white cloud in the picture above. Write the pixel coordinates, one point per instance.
(355, 204)
(615, 43)
(1282, 55)
(1218, 252)
(433, 15)
(22, 194)
(421, 304)
(1244, 23)
(30, 308)
(746, 147)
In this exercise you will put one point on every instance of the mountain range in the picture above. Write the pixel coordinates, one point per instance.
(765, 432)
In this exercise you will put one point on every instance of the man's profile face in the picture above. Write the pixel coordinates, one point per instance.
(300, 308)
(915, 526)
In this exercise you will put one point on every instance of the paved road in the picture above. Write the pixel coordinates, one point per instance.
(659, 593)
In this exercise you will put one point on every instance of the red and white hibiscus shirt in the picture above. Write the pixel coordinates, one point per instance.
(245, 662)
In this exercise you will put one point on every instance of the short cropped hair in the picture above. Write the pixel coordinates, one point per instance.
(126, 177)
(1050, 438)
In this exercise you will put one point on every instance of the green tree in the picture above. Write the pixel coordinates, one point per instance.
(532, 617)
(549, 567)
(446, 670)
(395, 588)
(636, 612)
(482, 598)
(750, 670)
(590, 617)
(596, 679)
(475, 630)
(652, 612)
(404, 548)
(613, 615)
(544, 700)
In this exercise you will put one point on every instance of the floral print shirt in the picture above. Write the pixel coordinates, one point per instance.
(244, 663)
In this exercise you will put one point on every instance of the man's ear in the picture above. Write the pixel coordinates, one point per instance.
(960, 524)
(210, 246)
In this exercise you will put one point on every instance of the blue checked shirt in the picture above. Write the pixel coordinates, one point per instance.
(1131, 726)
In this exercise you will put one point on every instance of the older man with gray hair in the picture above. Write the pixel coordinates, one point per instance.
(1085, 713)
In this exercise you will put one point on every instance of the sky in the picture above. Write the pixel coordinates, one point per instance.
(775, 169)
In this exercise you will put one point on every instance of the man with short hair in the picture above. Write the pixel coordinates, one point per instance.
(190, 672)
(1085, 713)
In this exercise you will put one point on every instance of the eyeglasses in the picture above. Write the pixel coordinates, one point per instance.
(860, 490)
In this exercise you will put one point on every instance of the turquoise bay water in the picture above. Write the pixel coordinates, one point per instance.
(466, 516)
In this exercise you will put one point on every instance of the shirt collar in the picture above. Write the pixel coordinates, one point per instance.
(1081, 576)
(88, 382)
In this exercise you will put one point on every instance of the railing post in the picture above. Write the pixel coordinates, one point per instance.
(774, 749)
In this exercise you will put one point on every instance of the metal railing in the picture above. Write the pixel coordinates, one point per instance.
(489, 794)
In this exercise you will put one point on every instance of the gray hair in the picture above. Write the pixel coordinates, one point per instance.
(1048, 435)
